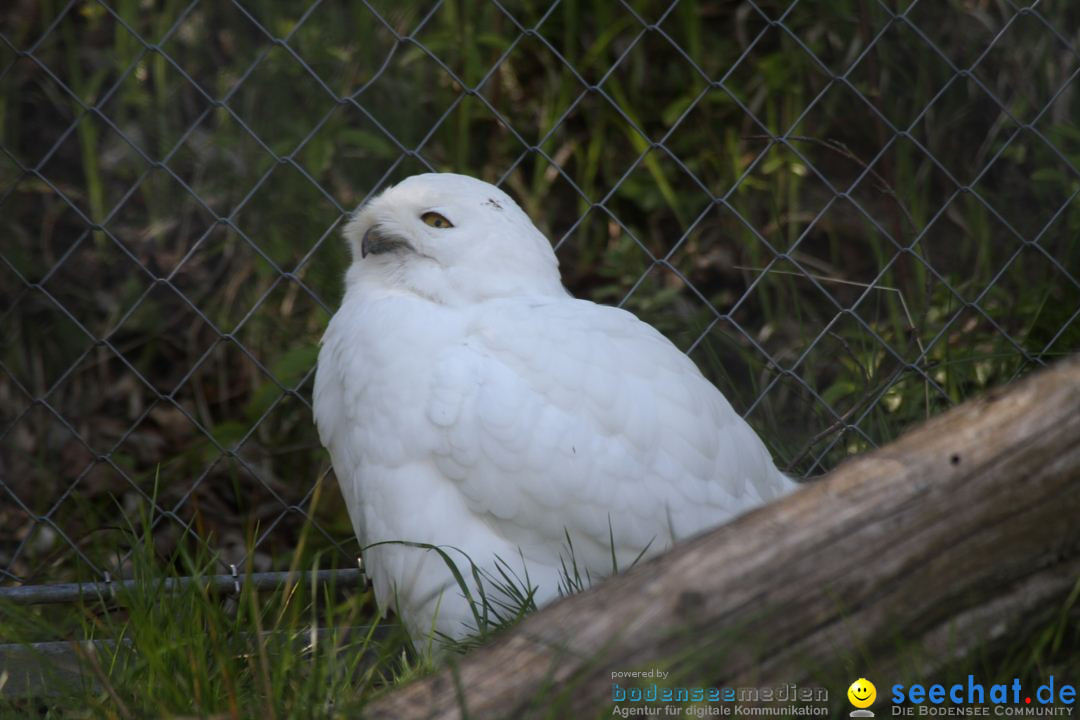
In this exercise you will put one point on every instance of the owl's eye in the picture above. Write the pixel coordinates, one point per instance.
(436, 220)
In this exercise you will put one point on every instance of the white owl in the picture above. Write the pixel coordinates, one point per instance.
(469, 402)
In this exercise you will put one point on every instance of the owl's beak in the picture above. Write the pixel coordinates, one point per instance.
(377, 241)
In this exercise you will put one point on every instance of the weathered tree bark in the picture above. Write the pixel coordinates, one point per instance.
(960, 534)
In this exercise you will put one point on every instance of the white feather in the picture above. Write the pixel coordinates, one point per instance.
(468, 401)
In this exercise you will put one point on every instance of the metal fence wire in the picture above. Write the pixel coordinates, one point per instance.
(852, 215)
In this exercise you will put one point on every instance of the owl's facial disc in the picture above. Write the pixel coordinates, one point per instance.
(378, 241)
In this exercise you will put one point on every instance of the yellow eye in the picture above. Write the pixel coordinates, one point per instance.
(436, 220)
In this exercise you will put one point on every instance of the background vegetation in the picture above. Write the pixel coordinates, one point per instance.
(851, 214)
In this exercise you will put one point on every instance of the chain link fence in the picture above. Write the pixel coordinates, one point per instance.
(852, 215)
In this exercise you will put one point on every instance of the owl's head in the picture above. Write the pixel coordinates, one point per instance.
(451, 239)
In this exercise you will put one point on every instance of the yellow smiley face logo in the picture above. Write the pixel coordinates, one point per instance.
(862, 693)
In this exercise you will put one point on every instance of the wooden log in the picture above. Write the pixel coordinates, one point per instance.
(958, 535)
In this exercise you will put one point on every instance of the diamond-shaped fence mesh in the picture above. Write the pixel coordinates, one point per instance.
(852, 215)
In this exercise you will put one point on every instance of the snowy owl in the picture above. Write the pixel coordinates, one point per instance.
(469, 402)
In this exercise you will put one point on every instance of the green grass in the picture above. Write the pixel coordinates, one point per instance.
(189, 653)
(193, 653)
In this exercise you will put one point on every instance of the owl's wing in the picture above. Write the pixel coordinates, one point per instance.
(565, 418)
